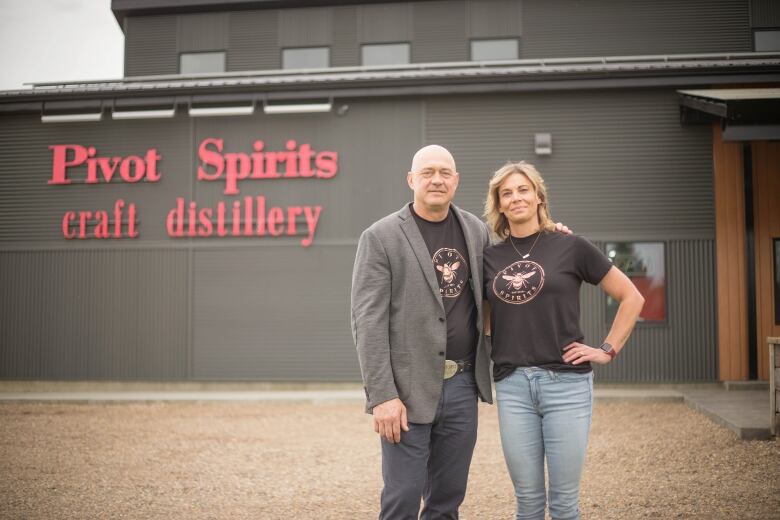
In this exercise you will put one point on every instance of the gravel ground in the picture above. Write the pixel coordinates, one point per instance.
(321, 461)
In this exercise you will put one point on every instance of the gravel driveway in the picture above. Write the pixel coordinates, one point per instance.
(321, 461)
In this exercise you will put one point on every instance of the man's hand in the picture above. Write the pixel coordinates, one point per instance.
(390, 419)
(576, 353)
(560, 227)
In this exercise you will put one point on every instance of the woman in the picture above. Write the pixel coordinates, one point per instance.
(544, 380)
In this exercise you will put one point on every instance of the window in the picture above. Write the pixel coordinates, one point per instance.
(489, 50)
(766, 40)
(306, 58)
(644, 264)
(201, 62)
(777, 281)
(385, 54)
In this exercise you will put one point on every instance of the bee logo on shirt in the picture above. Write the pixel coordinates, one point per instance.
(519, 282)
(451, 271)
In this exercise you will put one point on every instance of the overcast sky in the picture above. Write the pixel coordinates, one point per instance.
(58, 40)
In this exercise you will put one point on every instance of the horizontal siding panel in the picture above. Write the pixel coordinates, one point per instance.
(382, 23)
(345, 51)
(619, 150)
(439, 32)
(273, 314)
(87, 315)
(203, 32)
(493, 18)
(571, 28)
(150, 45)
(253, 40)
(765, 13)
(306, 27)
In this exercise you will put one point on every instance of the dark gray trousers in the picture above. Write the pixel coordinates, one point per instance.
(432, 460)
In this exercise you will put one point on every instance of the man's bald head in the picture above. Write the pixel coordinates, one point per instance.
(433, 153)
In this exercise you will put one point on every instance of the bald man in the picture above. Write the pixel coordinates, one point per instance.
(417, 326)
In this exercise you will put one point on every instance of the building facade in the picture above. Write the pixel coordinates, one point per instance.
(197, 220)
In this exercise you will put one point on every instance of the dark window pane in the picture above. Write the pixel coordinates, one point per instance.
(307, 58)
(201, 62)
(385, 54)
(645, 266)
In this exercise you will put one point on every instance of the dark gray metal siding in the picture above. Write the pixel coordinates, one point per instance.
(203, 32)
(151, 46)
(622, 168)
(764, 13)
(382, 23)
(91, 314)
(178, 309)
(305, 27)
(344, 51)
(439, 32)
(685, 348)
(493, 18)
(625, 143)
(253, 41)
(570, 28)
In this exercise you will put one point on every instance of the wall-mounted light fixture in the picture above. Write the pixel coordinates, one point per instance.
(144, 114)
(297, 108)
(239, 110)
(71, 118)
(543, 144)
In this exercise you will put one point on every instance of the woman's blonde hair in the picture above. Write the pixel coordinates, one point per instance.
(496, 220)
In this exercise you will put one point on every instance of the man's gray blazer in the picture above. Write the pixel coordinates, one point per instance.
(398, 321)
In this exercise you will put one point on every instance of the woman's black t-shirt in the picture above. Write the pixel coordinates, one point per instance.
(535, 302)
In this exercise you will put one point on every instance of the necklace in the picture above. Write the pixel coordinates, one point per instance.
(524, 256)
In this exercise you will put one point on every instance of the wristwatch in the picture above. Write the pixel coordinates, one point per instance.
(606, 347)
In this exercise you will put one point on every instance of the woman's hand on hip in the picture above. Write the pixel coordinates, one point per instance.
(577, 353)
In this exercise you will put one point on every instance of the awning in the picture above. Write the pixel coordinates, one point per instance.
(747, 114)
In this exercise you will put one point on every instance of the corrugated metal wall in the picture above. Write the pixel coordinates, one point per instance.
(159, 308)
(622, 168)
(682, 349)
(764, 13)
(440, 30)
(569, 28)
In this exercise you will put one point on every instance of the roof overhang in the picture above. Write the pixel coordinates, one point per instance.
(414, 80)
(746, 114)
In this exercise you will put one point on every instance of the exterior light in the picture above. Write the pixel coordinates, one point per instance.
(299, 108)
(71, 118)
(241, 110)
(144, 114)
(543, 144)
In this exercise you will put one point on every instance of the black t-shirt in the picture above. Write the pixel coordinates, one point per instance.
(447, 247)
(535, 302)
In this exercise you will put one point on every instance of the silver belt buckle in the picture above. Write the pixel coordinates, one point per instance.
(450, 368)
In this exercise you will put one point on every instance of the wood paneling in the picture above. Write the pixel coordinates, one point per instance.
(731, 258)
(766, 207)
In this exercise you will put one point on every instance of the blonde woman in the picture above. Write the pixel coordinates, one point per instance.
(543, 374)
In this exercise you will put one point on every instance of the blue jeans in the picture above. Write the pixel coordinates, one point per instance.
(545, 414)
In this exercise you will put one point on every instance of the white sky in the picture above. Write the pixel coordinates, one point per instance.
(58, 40)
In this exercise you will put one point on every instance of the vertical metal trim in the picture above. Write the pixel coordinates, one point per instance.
(747, 170)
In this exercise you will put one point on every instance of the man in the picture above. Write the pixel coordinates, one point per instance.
(417, 326)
